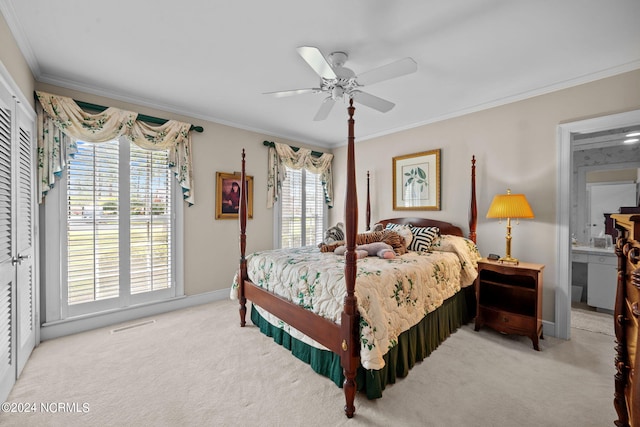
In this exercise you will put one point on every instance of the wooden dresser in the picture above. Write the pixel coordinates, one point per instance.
(626, 312)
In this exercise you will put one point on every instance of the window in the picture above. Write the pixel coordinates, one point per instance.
(119, 227)
(301, 213)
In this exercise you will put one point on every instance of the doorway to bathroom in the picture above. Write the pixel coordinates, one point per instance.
(591, 153)
(606, 171)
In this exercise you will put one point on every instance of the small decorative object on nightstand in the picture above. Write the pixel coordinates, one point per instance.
(509, 298)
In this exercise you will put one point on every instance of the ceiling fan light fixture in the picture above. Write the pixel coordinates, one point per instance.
(337, 92)
(338, 59)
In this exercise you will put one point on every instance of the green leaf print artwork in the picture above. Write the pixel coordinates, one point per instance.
(416, 184)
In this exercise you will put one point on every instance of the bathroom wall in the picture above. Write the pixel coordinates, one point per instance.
(601, 165)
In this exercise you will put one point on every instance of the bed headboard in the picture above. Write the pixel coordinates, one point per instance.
(445, 227)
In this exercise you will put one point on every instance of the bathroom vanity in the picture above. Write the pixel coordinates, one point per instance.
(602, 274)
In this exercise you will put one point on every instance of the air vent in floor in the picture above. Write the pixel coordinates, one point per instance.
(134, 325)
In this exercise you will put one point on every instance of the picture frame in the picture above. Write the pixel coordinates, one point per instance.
(227, 200)
(416, 181)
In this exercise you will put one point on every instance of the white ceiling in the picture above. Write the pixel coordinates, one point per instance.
(214, 59)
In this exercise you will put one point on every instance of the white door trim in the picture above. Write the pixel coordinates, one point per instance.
(563, 212)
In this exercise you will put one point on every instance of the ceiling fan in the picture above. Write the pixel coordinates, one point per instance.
(338, 81)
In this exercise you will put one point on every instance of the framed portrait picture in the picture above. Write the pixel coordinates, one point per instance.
(228, 195)
(416, 181)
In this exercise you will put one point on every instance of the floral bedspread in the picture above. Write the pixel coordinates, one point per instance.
(393, 295)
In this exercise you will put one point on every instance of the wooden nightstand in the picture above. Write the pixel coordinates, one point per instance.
(509, 298)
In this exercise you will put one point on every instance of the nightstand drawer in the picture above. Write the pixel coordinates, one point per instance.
(506, 322)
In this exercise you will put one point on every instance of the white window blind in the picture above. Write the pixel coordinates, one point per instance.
(93, 221)
(119, 222)
(302, 209)
(150, 222)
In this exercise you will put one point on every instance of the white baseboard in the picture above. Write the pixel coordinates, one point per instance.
(549, 329)
(78, 324)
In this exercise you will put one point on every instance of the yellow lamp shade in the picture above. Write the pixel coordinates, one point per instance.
(510, 206)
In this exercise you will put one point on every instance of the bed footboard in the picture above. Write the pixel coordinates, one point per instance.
(343, 339)
(315, 327)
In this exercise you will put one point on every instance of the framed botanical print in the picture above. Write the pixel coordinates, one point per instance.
(228, 195)
(416, 181)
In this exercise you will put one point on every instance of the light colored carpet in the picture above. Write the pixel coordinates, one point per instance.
(592, 321)
(197, 367)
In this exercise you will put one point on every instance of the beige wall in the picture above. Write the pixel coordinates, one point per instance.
(515, 146)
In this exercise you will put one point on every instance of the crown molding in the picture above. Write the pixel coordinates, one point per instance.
(7, 10)
(566, 84)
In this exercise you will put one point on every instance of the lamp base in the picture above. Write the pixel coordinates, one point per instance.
(509, 259)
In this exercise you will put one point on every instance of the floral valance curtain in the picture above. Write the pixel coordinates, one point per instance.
(282, 156)
(61, 122)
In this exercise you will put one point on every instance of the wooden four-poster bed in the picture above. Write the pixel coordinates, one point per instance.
(341, 337)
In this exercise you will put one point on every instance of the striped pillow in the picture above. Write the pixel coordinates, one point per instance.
(422, 238)
(391, 225)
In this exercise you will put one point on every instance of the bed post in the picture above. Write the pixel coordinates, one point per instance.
(350, 356)
(242, 216)
(473, 214)
(368, 205)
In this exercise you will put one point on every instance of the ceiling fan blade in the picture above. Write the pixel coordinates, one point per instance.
(317, 61)
(325, 109)
(372, 101)
(282, 93)
(389, 71)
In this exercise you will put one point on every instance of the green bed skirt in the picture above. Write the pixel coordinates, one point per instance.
(413, 345)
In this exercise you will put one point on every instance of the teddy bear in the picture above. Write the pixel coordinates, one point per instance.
(389, 237)
(380, 249)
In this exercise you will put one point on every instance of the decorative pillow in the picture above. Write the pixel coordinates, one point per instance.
(449, 243)
(422, 238)
(466, 250)
(403, 230)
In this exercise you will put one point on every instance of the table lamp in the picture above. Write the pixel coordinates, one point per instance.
(509, 206)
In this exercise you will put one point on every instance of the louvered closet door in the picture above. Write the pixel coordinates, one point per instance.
(7, 239)
(25, 203)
